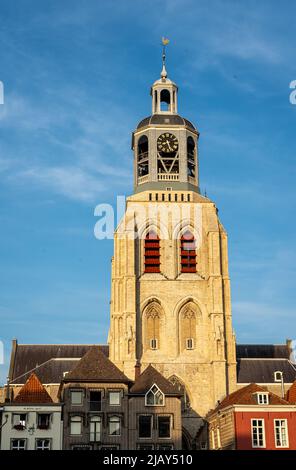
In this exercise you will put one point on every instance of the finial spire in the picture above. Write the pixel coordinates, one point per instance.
(165, 42)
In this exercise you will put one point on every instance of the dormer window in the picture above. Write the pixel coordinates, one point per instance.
(154, 397)
(278, 375)
(263, 398)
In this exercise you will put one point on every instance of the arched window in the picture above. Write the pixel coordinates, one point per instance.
(143, 163)
(185, 401)
(95, 428)
(152, 253)
(152, 329)
(188, 328)
(75, 425)
(188, 253)
(114, 426)
(154, 397)
(165, 100)
(191, 157)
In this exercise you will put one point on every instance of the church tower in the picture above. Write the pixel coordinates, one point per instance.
(170, 300)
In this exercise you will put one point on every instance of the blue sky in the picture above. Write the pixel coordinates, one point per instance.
(77, 77)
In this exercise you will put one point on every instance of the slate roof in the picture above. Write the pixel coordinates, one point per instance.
(96, 367)
(28, 357)
(247, 396)
(262, 370)
(33, 392)
(50, 372)
(169, 119)
(149, 377)
(271, 351)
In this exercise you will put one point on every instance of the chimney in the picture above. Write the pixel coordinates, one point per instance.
(137, 370)
(7, 392)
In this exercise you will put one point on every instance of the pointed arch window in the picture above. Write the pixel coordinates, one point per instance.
(188, 329)
(143, 161)
(188, 253)
(152, 253)
(152, 329)
(185, 400)
(154, 397)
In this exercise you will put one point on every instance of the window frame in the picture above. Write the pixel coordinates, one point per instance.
(158, 390)
(263, 446)
(192, 344)
(286, 431)
(22, 423)
(77, 390)
(151, 425)
(151, 260)
(187, 257)
(18, 447)
(263, 398)
(169, 417)
(43, 439)
(118, 420)
(118, 392)
(40, 426)
(78, 421)
(97, 423)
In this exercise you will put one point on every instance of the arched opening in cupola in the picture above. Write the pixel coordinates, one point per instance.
(165, 100)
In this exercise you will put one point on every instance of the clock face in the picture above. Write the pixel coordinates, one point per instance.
(167, 143)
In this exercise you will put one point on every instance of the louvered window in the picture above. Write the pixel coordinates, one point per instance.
(152, 253)
(188, 253)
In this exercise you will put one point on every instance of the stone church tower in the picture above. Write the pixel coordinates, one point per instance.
(170, 300)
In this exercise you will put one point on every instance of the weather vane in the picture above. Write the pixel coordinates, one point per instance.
(165, 42)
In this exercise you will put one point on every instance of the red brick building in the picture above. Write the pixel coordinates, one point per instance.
(253, 418)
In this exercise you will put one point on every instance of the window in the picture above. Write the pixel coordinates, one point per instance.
(191, 157)
(19, 421)
(76, 397)
(258, 433)
(189, 343)
(43, 420)
(164, 426)
(188, 253)
(154, 397)
(281, 433)
(188, 326)
(145, 426)
(278, 376)
(114, 397)
(75, 425)
(153, 343)
(143, 161)
(152, 327)
(95, 400)
(262, 398)
(95, 429)
(185, 400)
(18, 444)
(114, 426)
(152, 253)
(43, 444)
